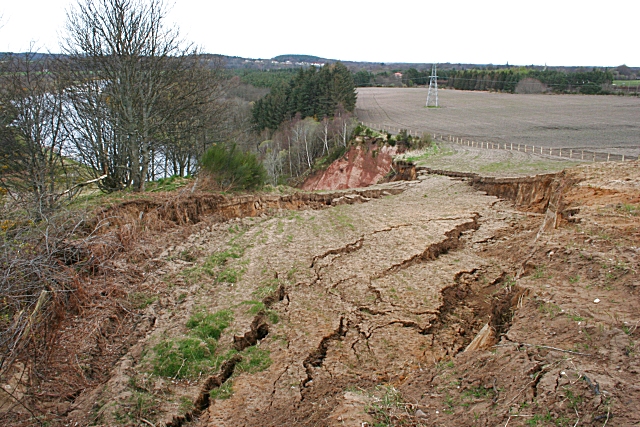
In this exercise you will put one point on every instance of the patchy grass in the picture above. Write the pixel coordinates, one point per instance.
(141, 300)
(384, 400)
(254, 360)
(221, 258)
(186, 405)
(549, 308)
(212, 266)
(432, 151)
(541, 273)
(183, 357)
(168, 184)
(575, 317)
(188, 357)
(256, 307)
(223, 392)
(209, 325)
(478, 393)
(340, 218)
(267, 289)
(229, 275)
(140, 405)
(538, 418)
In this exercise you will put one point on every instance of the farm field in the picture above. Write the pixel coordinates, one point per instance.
(487, 162)
(631, 83)
(601, 123)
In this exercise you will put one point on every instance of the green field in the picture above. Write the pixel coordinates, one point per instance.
(630, 83)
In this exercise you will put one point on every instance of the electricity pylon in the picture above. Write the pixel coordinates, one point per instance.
(433, 86)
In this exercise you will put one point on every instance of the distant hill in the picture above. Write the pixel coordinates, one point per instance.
(297, 61)
(300, 58)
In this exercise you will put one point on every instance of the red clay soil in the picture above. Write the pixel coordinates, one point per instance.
(361, 166)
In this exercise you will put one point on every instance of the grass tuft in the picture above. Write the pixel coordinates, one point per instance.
(188, 357)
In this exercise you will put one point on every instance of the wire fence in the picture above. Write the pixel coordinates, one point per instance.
(565, 153)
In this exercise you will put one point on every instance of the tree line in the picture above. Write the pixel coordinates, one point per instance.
(311, 93)
(588, 82)
(502, 80)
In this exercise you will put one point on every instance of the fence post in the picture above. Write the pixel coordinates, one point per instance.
(623, 157)
(594, 156)
(570, 153)
(608, 156)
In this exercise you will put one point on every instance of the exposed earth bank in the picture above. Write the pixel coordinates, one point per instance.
(448, 300)
(362, 165)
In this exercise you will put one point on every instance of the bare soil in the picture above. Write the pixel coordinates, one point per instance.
(602, 123)
(362, 165)
(368, 301)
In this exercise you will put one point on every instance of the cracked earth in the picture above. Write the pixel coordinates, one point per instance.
(427, 302)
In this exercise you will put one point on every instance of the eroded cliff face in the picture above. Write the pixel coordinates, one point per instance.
(361, 166)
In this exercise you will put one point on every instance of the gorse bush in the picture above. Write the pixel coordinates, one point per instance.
(232, 168)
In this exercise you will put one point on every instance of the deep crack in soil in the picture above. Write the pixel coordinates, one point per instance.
(460, 301)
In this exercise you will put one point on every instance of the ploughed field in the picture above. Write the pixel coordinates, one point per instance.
(599, 123)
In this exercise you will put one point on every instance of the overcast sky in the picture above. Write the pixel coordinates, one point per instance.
(559, 32)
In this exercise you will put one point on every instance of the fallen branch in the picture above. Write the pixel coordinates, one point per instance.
(19, 402)
(82, 184)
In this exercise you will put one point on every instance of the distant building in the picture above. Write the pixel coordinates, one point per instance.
(397, 75)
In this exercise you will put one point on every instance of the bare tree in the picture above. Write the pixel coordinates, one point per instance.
(344, 124)
(32, 164)
(132, 74)
(201, 112)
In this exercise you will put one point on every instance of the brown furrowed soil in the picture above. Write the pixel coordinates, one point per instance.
(603, 123)
(441, 301)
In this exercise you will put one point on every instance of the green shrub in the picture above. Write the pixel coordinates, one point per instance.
(591, 88)
(403, 138)
(336, 153)
(359, 130)
(232, 168)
